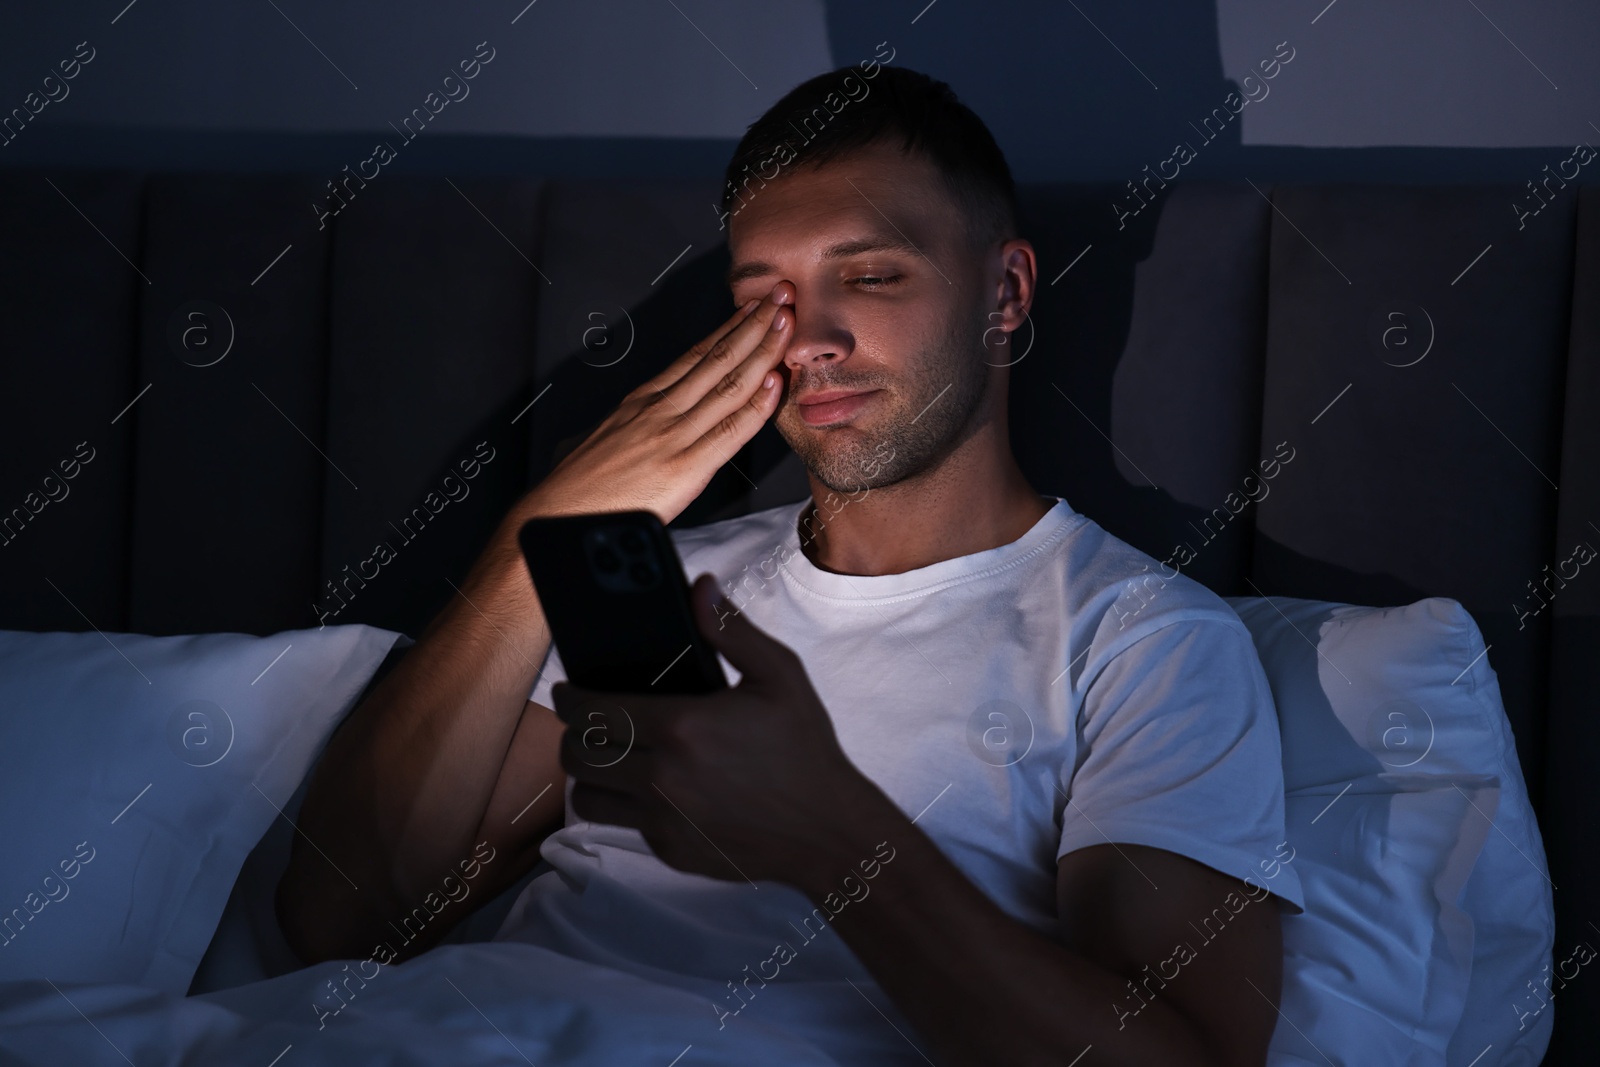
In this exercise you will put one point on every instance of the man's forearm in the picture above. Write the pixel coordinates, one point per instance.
(400, 792)
(980, 986)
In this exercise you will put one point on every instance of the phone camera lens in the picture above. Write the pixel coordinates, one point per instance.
(607, 560)
(632, 541)
(643, 574)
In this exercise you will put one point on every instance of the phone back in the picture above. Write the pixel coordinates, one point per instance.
(617, 601)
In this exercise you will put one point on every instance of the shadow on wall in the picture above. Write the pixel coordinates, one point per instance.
(1054, 88)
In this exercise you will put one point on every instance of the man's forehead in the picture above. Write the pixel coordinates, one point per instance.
(875, 193)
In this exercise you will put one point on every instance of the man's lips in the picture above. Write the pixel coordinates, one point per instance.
(822, 396)
(833, 405)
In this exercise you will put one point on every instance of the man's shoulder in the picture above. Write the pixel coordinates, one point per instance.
(1125, 593)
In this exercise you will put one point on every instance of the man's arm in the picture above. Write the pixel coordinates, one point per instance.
(434, 770)
(1176, 726)
(983, 988)
(411, 785)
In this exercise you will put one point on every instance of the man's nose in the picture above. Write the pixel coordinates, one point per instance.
(818, 334)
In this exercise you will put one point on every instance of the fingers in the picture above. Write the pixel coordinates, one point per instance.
(603, 727)
(616, 767)
(715, 369)
(730, 415)
(730, 383)
(597, 804)
(758, 656)
(675, 370)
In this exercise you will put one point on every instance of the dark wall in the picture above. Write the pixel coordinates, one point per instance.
(1083, 91)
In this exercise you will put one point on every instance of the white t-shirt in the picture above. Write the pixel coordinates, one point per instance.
(1021, 702)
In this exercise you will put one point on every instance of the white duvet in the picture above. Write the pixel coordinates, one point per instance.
(485, 1004)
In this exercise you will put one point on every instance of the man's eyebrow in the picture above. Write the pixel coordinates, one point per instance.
(842, 250)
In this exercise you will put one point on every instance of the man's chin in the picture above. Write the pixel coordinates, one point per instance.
(838, 470)
(823, 447)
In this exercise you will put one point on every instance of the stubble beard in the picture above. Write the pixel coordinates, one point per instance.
(912, 427)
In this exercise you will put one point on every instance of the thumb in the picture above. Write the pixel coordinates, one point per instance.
(749, 648)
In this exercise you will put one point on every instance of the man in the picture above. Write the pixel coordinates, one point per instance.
(1033, 788)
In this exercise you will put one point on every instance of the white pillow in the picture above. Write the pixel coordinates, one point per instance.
(1423, 921)
(137, 772)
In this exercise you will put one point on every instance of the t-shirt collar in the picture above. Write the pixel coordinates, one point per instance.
(920, 581)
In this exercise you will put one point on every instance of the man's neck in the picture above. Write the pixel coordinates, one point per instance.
(917, 522)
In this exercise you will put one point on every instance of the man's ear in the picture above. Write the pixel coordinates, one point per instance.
(1008, 334)
(1019, 280)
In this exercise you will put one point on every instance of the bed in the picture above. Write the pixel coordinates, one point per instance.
(230, 468)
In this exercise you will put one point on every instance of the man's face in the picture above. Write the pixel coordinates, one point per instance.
(890, 296)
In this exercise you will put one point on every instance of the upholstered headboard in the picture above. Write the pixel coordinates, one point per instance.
(214, 413)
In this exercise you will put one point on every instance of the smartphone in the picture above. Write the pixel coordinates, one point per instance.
(617, 601)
